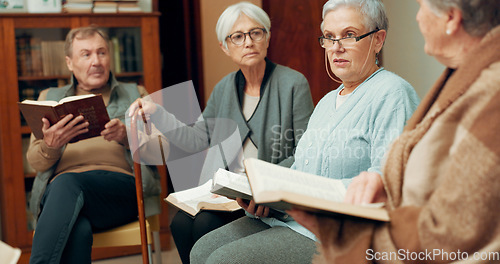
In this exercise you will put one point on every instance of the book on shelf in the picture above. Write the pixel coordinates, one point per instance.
(46, 6)
(129, 7)
(91, 106)
(283, 188)
(128, 59)
(36, 56)
(194, 200)
(116, 50)
(14, 6)
(77, 6)
(53, 58)
(105, 7)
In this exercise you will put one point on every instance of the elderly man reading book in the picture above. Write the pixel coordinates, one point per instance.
(87, 186)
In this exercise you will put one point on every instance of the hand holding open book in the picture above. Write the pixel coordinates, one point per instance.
(283, 189)
(90, 106)
(279, 188)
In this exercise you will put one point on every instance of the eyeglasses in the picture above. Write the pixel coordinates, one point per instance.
(343, 42)
(256, 34)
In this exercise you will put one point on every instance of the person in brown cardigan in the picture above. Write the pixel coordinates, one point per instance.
(440, 181)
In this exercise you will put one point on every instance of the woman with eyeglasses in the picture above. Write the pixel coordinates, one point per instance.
(270, 103)
(348, 132)
(441, 178)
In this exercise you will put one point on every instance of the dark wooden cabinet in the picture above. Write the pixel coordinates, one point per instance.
(295, 28)
(15, 177)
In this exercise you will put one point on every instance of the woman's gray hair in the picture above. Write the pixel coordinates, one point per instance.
(233, 12)
(373, 11)
(478, 16)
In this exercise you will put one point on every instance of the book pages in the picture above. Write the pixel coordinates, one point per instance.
(200, 198)
(231, 184)
(285, 179)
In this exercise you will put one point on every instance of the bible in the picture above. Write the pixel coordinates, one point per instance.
(283, 188)
(193, 200)
(91, 106)
(231, 185)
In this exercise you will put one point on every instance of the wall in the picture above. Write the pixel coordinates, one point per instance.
(216, 64)
(404, 48)
(403, 51)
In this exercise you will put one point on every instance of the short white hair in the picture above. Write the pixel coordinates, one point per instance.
(232, 13)
(373, 11)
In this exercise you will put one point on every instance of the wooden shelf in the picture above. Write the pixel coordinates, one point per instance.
(53, 15)
(41, 78)
(66, 77)
(13, 180)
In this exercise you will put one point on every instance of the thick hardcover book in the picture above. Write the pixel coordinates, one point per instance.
(231, 185)
(90, 106)
(192, 201)
(283, 189)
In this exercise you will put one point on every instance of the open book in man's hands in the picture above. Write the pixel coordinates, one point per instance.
(193, 200)
(91, 106)
(283, 189)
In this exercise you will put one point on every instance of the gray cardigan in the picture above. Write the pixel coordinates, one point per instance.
(275, 127)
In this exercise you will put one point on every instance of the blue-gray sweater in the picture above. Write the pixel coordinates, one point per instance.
(341, 143)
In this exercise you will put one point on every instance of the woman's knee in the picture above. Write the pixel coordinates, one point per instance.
(82, 229)
(181, 223)
(201, 250)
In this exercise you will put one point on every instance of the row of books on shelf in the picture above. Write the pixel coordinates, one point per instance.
(37, 57)
(101, 6)
(75, 6)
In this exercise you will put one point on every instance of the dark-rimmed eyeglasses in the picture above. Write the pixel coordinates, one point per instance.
(343, 42)
(256, 34)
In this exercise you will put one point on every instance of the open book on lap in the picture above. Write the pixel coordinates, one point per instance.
(91, 106)
(283, 189)
(193, 200)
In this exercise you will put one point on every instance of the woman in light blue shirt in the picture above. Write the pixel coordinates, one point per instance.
(348, 132)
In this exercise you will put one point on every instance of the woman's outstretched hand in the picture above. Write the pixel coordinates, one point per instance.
(144, 106)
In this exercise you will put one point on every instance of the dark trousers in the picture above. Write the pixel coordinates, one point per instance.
(74, 206)
(186, 230)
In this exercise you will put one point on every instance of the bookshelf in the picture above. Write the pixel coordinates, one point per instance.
(24, 73)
